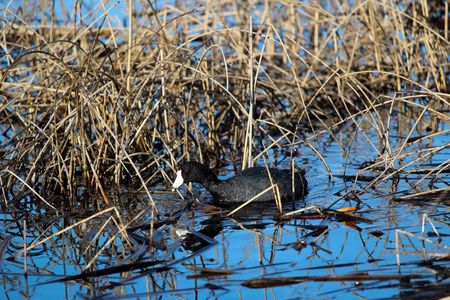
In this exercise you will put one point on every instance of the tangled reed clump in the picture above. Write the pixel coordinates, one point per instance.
(89, 106)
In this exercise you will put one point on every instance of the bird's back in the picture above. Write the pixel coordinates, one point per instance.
(252, 181)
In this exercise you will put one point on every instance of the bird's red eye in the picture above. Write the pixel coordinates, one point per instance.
(185, 171)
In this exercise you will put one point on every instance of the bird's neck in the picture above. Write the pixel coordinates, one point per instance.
(210, 177)
(210, 180)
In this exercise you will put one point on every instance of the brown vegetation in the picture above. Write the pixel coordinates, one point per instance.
(87, 107)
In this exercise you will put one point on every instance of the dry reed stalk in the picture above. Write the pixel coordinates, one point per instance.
(425, 216)
(247, 158)
(424, 254)
(250, 200)
(276, 191)
(100, 231)
(316, 208)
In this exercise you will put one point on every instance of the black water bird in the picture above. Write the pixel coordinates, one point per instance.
(245, 185)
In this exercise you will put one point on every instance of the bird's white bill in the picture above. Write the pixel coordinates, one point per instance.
(178, 181)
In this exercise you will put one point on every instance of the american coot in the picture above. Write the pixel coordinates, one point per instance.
(244, 185)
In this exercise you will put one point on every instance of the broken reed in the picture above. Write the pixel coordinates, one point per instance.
(88, 107)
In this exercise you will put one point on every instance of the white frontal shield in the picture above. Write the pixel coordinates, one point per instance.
(178, 181)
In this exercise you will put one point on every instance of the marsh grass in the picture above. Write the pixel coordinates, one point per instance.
(90, 108)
